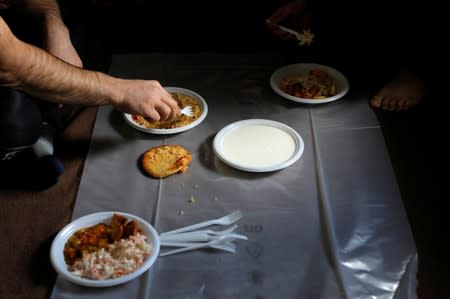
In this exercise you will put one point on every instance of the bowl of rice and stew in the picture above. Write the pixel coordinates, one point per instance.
(184, 97)
(309, 83)
(104, 249)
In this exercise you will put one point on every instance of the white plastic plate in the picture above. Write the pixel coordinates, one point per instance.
(204, 106)
(57, 254)
(292, 70)
(262, 145)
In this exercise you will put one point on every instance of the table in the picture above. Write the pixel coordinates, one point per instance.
(332, 225)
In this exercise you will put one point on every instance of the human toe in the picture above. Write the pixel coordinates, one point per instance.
(402, 104)
(387, 104)
(376, 101)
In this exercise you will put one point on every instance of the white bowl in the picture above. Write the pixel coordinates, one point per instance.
(199, 98)
(256, 151)
(57, 254)
(292, 70)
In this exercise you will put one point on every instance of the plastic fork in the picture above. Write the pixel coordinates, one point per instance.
(219, 241)
(193, 237)
(227, 246)
(187, 111)
(198, 235)
(288, 30)
(304, 38)
(225, 220)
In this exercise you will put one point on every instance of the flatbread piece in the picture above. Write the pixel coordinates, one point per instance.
(162, 161)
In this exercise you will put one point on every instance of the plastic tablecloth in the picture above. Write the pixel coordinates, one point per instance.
(332, 225)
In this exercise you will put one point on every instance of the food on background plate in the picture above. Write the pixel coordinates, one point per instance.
(105, 251)
(316, 84)
(183, 100)
(162, 161)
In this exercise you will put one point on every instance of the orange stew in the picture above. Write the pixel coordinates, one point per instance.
(87, 240)
(96, 237)
(316, 84)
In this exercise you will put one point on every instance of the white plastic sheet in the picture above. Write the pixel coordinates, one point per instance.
(332, 225)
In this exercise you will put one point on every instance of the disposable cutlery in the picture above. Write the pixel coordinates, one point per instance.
(225, 220)
(221, 240)
(197, 235)
(187, 111)
(304, 38)
(227, 246)
(198, 238)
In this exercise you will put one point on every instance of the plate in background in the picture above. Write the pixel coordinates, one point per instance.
(292, 70)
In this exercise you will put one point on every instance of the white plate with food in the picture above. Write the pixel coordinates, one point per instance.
(309, 83)
(121, 247)
(184, 97)
(258, 145)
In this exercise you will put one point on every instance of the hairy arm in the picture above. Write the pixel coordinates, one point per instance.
(34, 71)
(43, 75)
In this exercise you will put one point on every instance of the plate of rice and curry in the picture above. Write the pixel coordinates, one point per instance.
(309, 83)
(104, 249)
(184, 97)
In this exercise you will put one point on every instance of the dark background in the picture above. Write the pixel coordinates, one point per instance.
(355, 36)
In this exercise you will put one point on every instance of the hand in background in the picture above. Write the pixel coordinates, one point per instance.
(5, 4)
(294, 15)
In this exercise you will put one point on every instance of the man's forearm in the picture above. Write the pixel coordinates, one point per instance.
(48, 77)
(41, 74)
(32, 70)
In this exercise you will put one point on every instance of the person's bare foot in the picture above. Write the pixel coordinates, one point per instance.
(403, 92)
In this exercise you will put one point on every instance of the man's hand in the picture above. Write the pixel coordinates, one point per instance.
(295, 14)
(147, 98)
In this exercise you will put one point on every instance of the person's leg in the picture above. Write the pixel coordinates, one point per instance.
(20, 122)
(402, 48)
(26, 146)
(29, 29)
(82, 22)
